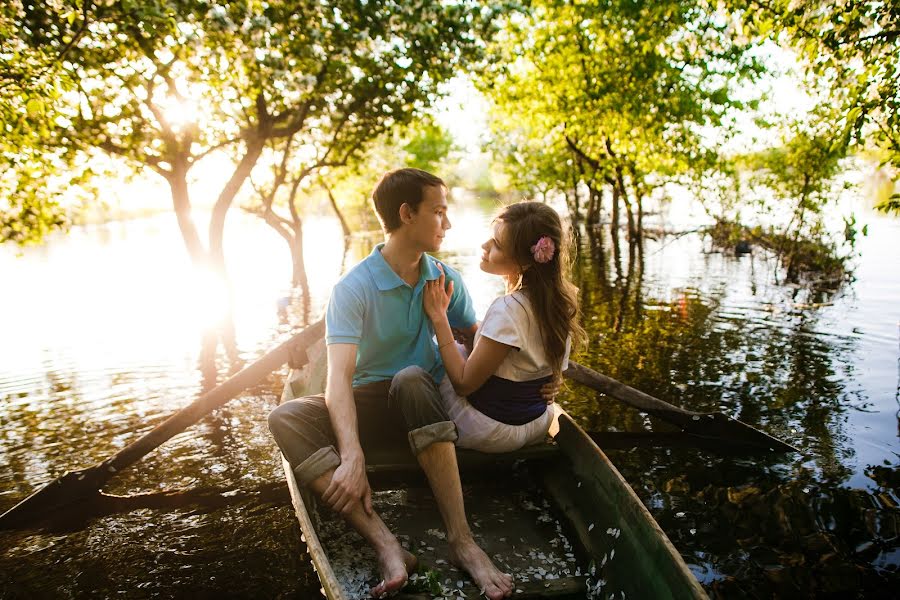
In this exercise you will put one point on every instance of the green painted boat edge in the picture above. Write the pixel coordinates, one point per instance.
(661, 569)
(330, 585)
(298, 381)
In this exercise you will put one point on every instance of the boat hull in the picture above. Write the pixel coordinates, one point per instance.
(558, 516)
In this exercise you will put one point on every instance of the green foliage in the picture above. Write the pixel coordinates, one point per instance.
(791, 186)
(814, 260)
(162, 84)
(800, 171)
(891, 205)
(35, 39)
(614, 93)
(428, 147)
(852, 47)
(422, 144)
(426, 582)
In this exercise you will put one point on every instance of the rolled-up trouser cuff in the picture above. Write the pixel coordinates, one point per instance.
(421, 438)
(318, 462)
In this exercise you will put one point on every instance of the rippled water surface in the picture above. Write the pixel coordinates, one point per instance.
(103, 337)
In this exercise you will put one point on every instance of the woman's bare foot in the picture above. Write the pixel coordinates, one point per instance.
(395, 565)
(467, 555)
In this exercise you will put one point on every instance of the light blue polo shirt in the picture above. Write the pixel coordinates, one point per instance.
(372, 307)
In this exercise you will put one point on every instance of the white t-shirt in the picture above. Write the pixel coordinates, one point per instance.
(508, 320)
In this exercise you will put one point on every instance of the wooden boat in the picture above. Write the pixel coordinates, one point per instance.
(558, 516)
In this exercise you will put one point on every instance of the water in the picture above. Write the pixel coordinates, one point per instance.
(103, 335)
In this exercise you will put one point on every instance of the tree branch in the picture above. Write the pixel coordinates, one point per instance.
(198, 157)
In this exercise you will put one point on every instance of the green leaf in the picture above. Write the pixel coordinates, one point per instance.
(34, 107)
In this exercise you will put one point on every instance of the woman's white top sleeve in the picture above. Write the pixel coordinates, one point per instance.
(509, 321)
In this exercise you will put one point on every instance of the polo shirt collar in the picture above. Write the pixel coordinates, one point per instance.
(385, 277)
(429, 269)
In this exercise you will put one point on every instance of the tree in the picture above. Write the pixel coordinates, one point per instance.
(335, 154)
(629, 88)
(800, 173)
(852, 47)
(33, 46)
(163, 85)
(427, 145)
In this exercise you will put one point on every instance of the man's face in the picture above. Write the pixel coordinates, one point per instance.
(429, 223)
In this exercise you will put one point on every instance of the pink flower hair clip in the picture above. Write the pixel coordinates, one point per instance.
(543, 250)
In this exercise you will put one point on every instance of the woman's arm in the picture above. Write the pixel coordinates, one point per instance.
(465, 375)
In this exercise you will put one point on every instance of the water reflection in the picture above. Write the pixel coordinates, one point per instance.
(126, 343)
(783, 526)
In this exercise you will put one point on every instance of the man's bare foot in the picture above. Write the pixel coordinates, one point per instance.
(395, 564)
(467, 555)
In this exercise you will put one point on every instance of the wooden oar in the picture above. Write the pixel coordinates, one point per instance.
(717, 426)
(625, 440)
(78, 485)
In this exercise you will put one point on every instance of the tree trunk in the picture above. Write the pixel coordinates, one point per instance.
(595, 205)
(575, 204)
(640, 217)
(614, 218)
(296, 225)
(334, 205)
(638, 201)
(791, 274)
(181, 202)
(226, 197)
(629, 212)
(299, 266)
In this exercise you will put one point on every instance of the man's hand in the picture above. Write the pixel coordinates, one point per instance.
(463, 338)
(550, 389)
(349, 485)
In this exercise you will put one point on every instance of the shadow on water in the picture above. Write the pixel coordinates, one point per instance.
(784, 526)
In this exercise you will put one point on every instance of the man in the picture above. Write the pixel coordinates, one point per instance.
(382, 384)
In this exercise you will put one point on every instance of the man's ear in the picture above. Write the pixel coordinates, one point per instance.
(406, 213)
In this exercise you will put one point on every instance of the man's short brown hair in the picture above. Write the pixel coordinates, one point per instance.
(398, 187)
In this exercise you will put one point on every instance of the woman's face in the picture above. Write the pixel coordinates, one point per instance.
(497, 258)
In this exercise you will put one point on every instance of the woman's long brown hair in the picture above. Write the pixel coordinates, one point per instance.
(553, 297)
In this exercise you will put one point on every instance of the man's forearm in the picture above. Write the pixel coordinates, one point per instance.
(342, 411)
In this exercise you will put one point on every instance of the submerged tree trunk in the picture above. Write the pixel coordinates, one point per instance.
(595, 206)
(226, 197)
(629, 212)
(614, 215)
(181, 202)
(298, 263)
(639, 193)
(574, 203)
(299, 266)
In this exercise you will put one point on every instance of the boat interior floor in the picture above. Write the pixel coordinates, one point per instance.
(510, 518)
